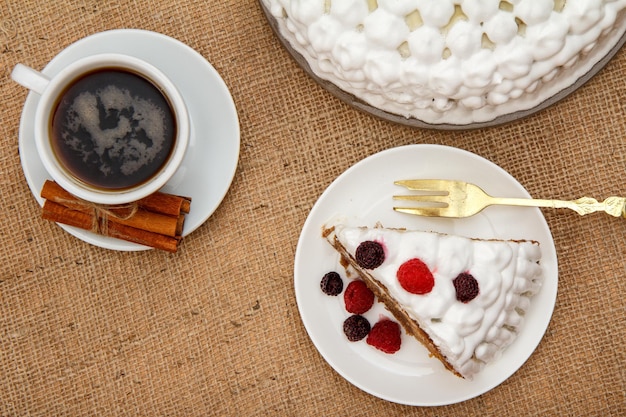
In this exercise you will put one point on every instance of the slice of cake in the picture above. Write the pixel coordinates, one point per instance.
(463, 299)
(450, 61)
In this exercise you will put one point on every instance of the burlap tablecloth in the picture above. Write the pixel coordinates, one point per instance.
(214, 329)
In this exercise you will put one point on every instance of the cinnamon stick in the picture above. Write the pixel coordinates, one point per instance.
(61, 214)
(180, 225)
(170, 204)
(149, 220)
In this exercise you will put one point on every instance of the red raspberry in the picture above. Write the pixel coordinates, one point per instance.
(415, 277)
(358, 298)
(385, 336)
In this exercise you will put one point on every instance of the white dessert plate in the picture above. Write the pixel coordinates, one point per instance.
(211, 159)
(362, 196)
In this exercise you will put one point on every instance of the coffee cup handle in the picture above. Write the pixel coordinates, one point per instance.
(30, 78)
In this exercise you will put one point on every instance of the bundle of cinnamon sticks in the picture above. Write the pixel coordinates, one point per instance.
(156, 221)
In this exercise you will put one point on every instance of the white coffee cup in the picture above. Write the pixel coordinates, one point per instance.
(50, 89)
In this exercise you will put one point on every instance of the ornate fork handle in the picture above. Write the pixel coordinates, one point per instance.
(615, 206)
(456, 199)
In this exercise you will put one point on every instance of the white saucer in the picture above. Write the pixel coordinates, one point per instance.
(362, 196)
(211, 160)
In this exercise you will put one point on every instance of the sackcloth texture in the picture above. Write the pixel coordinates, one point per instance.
(214, 329)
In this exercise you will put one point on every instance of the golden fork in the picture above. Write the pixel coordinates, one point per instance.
(448, 198)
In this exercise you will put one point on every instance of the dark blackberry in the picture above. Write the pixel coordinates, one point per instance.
(356, 327)
(370, 254)
(332, 284)
(466, 287)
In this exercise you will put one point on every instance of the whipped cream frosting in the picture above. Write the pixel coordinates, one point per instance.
(444, 61)
(469, 334)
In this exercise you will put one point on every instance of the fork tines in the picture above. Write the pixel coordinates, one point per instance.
(424, 185)
(431, 192)
(431, 199)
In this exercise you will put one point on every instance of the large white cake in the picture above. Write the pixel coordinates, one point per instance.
(450, 62)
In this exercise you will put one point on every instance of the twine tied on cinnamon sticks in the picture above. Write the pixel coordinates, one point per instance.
(100, 213)
(156, 221)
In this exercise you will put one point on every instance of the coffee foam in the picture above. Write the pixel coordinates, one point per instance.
(135, 141)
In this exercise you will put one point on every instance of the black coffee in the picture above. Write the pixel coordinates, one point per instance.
(113, 129)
